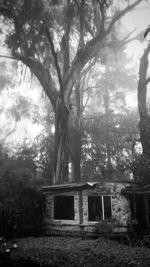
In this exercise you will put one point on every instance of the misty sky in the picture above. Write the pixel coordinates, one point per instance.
(137, 20)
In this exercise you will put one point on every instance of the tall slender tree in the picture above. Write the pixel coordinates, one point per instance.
(144, 124)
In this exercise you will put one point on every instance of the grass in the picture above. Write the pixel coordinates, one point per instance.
(75, 252)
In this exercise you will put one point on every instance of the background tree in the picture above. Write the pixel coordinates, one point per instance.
(144, 125)
(20, 195)
(111, 130)
(124, 139)
(58, 39)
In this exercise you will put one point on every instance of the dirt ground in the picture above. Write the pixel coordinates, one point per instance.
(74, 252)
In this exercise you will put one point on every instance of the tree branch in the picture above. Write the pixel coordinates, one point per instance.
(102, 11)
(7, 56)
(42, 75)
(127, 36)
(81, 41)
(148, 80)
(87, 25)
(65, 48)
(34, 64)
(55, 59)
(9, 133)
(90, 51)
(121, 14)
(97, 15)
(124, 41)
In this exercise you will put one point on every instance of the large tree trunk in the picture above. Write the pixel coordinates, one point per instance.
(76, 159)
(61, 139)
(108, 141)
(75, 154)
(144, 124)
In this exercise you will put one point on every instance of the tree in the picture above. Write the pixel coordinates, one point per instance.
(45, 147)
(144, 124)
(111, 130)
(123, 141)
(20, 196)
(56, 40)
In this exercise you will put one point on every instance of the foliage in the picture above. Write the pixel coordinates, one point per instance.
(13, 108)
(106, 226)
(141, 168)
(57, 41)
(7, 73)
(50, 251)
(20, 198)
(45, 161)
(123, 137)
(139, 237)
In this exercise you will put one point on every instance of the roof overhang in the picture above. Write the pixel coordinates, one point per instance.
(80, 186)
(139, 190)
(69, 187)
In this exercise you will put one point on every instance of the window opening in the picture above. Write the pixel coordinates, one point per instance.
(99, 207)
(95, 208)
(64, 207)
(107, 207)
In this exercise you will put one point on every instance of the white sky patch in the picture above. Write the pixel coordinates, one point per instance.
(25, 129)
(30, 91)
(131, 100)
(135, 50)
(139, 18)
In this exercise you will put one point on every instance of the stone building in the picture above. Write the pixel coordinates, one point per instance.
(86, 208)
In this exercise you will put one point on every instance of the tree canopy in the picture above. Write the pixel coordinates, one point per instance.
(58, 41)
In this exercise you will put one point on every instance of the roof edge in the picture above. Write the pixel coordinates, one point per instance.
(81, 185)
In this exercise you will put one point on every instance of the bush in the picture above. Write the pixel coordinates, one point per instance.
(141, 169)
(20, 201)
(106, 226)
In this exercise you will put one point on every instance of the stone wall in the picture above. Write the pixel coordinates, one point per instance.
(48, 212)
(120, 206)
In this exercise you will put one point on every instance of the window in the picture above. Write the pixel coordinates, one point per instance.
(107, 207)
(64, 207)
(94, 208)
(99, 207)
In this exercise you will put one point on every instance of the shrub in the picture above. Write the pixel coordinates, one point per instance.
(106, 226)
(20, 201)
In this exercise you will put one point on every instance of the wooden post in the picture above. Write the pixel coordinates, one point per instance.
(134, 207)
(146, 206)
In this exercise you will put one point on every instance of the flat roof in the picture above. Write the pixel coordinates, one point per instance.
(140, 190)
(84, 185)
(69, 186)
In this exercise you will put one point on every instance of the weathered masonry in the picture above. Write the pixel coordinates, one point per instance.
(140, 205)
(86, 208)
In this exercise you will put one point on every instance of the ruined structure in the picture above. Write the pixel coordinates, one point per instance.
(139, 197)
(87, 208)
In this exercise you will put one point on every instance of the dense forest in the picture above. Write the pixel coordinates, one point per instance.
(74, 55)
